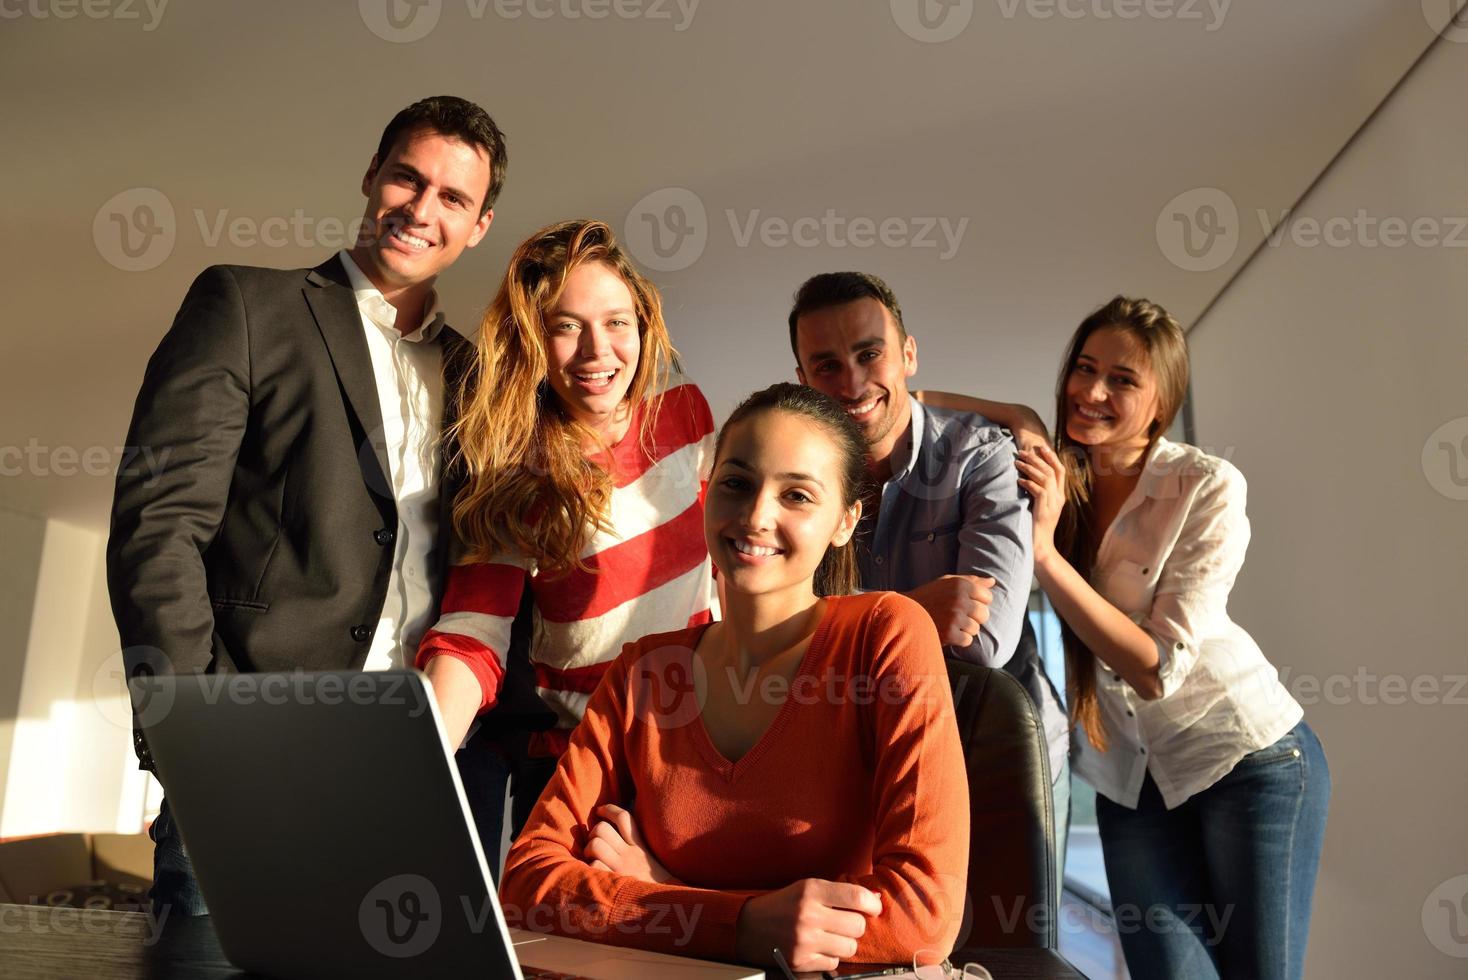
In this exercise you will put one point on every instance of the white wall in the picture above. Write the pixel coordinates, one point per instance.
(21, 537)
(1325, 371)
(66, 760)
(105, 790)
(1058, 138)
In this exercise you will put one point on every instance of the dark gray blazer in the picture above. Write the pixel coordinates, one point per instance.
(263, 538)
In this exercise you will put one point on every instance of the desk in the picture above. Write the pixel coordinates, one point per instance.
(38, 943)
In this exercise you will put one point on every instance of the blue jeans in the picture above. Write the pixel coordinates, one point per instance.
(488, 774)
(1061, 791)
(1221, 886)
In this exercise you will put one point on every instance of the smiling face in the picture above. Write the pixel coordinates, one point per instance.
(1111, 392)
(775, 503)
(423, 206)
(856, 353)
(592, 348)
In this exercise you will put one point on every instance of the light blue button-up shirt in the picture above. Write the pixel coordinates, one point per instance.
(953, 506)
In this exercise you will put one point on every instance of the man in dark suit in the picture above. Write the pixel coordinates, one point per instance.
(301, 520)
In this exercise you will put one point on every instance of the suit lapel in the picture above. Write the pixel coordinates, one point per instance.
(333, 304)
(458, 362)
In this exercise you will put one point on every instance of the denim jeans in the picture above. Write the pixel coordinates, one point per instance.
(1221, 886)
(488, 773)
(1061, 792)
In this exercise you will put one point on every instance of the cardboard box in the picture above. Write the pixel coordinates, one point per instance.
(39, 870)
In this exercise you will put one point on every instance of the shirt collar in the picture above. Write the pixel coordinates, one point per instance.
(375, 307)
(1161, 472)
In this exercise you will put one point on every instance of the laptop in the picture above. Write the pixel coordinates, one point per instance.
(331, 837)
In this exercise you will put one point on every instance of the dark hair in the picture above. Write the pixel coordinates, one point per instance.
(1166, 345)
(837, 289)
(449, 115)
(837, 573)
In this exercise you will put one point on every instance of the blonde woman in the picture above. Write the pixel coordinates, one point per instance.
(584, 456)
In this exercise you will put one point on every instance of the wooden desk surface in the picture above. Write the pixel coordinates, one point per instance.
(39, 943)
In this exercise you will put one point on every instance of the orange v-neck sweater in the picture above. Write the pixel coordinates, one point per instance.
(859, 778)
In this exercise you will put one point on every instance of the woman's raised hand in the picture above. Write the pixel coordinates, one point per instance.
(1042, 476)
(616, 845)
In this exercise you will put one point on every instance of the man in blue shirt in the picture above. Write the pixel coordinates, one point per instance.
(948, 525)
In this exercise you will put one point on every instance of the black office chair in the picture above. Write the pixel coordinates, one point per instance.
(1011, 865)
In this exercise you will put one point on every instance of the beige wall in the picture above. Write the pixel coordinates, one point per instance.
(1057, 139)
(22, 536)
(65, 742)
(1326, 371)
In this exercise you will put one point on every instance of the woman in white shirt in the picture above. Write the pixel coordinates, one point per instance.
(1212, 792)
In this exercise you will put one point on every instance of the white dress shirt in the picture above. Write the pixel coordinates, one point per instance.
(408, 369)
(1168, 561)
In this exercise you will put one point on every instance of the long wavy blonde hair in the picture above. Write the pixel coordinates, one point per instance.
(1166, 345)
(530, 485)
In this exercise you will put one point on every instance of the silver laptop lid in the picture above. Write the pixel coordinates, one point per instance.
(326, 823)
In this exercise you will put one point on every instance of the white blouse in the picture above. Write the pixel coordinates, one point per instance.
(1168, 561)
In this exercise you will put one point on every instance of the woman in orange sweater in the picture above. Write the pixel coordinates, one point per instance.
(789, 778)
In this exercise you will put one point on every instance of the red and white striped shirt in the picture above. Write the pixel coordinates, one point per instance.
(650, 573)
